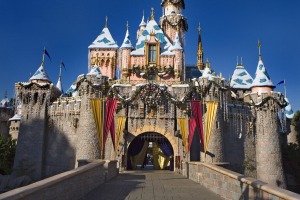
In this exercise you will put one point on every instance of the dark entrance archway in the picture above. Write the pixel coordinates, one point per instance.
(150, 150)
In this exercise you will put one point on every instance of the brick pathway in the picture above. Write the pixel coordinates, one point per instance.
(148, 185)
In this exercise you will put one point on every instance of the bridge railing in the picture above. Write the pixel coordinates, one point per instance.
(231, 185)
(72, 184)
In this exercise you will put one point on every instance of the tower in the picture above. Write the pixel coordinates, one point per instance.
(125, 51)
(172, 20)
(34, 97)
(103, 53)
(266, 104)
(200, 63)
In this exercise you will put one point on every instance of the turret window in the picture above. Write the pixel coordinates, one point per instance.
(152, 53)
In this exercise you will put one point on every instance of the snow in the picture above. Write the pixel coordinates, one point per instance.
(152, 26)
(127, 42)
(40, 74)
(289, 113)
(176, 44)
(262, 77)
(104, 40)
(241, 79)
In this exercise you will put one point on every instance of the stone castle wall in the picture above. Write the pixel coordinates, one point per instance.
(5, 115)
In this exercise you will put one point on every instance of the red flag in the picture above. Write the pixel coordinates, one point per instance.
(111, 105)
(192, 127)
(197, 113)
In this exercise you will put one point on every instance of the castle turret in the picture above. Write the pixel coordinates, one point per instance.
(266, 105)
(262, 82)
(172, 20)
(200, 61)
(103, 53)
(177, 49)
(125, 51)
(142, 26)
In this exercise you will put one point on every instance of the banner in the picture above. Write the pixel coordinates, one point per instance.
(97, 108)
(182, 125)
(119, 133)
(197, 114)
(209, 121)
(111, 105)
(192, 128)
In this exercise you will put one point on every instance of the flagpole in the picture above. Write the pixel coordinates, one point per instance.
(43, 58)
(284, 89)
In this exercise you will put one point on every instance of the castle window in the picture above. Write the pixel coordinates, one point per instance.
(152, 53)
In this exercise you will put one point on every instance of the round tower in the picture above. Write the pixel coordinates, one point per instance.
(125, 51)
(173, 20)
(88, 140)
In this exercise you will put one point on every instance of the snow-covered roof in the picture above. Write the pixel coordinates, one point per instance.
(72, 90)
(152, 26)
(59, 85)
(207, 73)
(176, 44)
(262, 77)
(289, 113)
(95, 70)
(127, 42)
(5, 102)
(104, 40)
(241, 79)
(16, 117)
(40, 74)
(143, 23)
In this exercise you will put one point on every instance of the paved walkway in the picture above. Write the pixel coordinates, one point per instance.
(150, 184)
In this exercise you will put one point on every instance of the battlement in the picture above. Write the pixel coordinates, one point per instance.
(258, 100)
(61, 106)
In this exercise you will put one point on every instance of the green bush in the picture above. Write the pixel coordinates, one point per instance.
(7, 154)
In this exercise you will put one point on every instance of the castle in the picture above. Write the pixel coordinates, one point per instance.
(135, 98)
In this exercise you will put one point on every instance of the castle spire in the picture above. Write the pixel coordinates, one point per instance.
(59, 83)
(200, 63)
(106, 22)
(143, 23)
(127, 43)
(152, 13)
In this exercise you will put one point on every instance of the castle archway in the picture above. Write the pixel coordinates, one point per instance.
(150, 150)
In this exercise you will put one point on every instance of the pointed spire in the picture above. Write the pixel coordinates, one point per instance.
(59, 82)
(240, 79)
(262, 78)
(106, 22)
(40, 75)
(200, 63)
(143, 23)
(127, 43)
(152, 13)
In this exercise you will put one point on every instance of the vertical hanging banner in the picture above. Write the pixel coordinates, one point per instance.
(182, 125)
(209, 121)
(192, 128)
(119, 133)
(197, 114)
(111, 105)
(98, 112)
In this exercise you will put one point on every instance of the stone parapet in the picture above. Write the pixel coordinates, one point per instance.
(231, 185)
(72, 184)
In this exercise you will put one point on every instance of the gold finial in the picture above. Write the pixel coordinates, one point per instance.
(199, 28)
(106, 21)
(152, 13)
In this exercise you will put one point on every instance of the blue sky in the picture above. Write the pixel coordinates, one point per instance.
(229, 29)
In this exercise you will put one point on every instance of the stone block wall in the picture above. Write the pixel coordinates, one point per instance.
(73, 184)
(231, 185)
